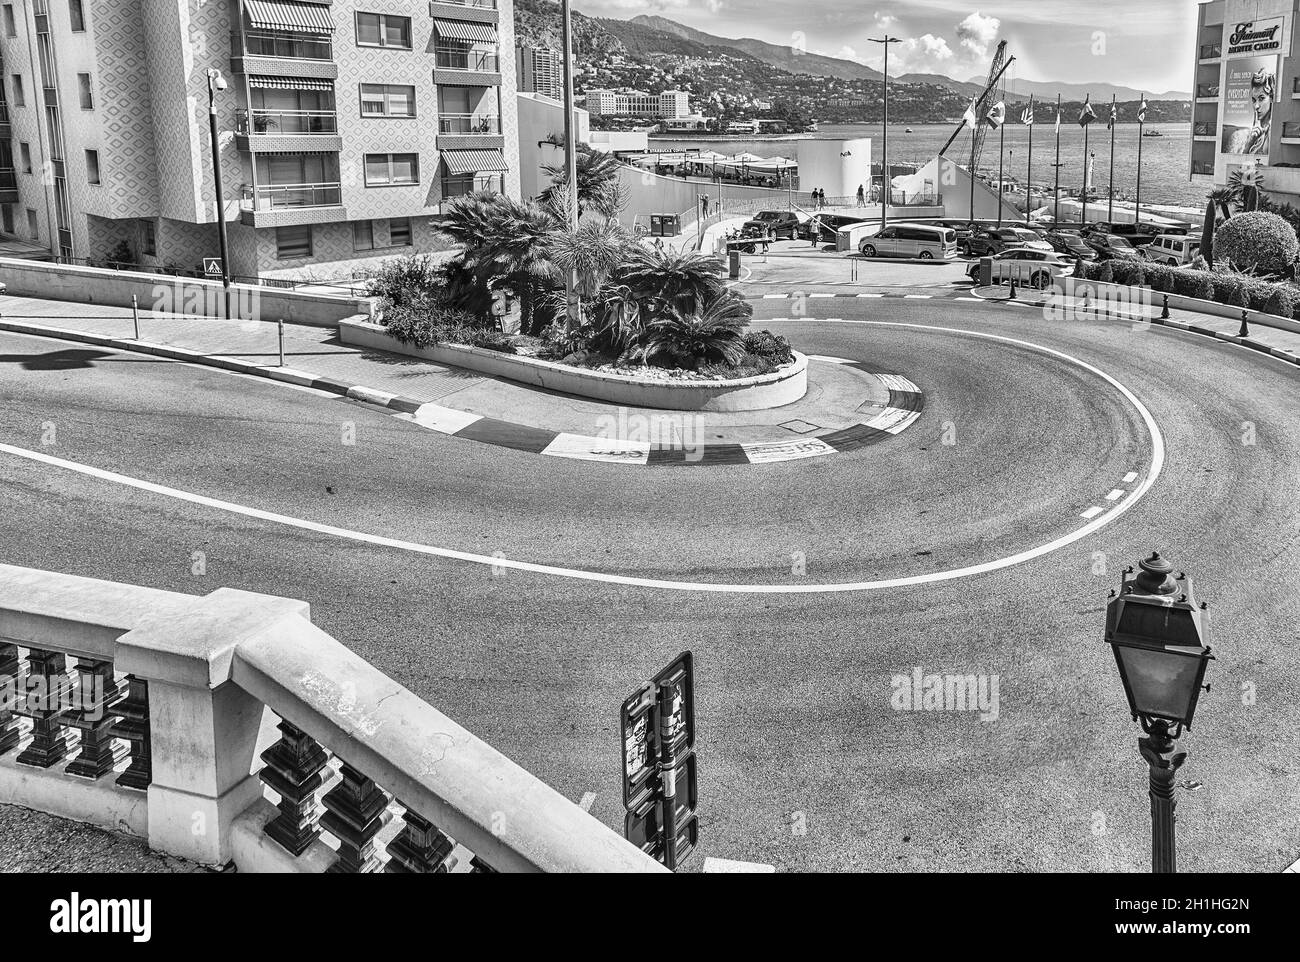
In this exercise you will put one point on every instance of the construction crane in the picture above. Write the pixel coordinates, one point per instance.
(986, 99)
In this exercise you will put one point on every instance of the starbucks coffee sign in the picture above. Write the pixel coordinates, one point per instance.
(1254, 37)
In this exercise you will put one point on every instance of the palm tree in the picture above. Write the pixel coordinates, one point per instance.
(599, 189)
(715, 333)
(669, 280)
(593, 253)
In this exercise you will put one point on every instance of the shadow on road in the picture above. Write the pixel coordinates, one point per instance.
(56, 360)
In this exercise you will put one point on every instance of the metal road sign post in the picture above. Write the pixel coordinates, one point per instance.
(660, 785)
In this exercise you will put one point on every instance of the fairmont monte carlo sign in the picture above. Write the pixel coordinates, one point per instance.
(1257, 37)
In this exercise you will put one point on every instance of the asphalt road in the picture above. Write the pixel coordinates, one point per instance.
(803, 761)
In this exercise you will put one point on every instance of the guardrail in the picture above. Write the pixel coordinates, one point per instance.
(462, 58)
(290, 196)
(266, 121)
(469, 124)
(173, 700)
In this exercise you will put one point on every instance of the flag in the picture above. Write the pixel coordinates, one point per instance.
(1114, 116)
(1027, 115)
(1058, 120)
(997, 115)
(968, 119)
(1087, 115)
(1142, 111)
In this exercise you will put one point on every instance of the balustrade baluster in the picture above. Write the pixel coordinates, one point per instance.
(9, 674)
(420, 848)
(100, 750)
(357, 811)
(133, 726)
(294, 767)
(49, 743)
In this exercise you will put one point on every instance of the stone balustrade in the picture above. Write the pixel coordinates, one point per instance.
(230, 729)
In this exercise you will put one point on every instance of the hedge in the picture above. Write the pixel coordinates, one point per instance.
(1279, 298)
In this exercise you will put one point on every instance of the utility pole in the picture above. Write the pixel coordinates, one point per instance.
(884, 41)
(216, 82)
(570, 162)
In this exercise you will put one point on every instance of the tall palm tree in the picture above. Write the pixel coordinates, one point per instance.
(599, 189)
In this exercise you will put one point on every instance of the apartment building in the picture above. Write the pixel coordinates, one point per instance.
(636, 103)
(344, 128)
(539, 71)
(1246, 94)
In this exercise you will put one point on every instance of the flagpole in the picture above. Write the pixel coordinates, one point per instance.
(1056, 197)
(1029, 171)
(972, 172)
(1002, 139)
(1110, 186)
(1083, 192)
(1137, 198)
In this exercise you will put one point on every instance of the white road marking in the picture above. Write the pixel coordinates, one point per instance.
(830, 360)
(893, 420)
(1115, 495)
(1130, 477)
(599, 449)
(820, 295)
(726, 866)
(588, 800)
(871, 295)
(1092, 513)
(896, 382)
(760, 453)
(977, 300)
(918, 297)
(1157, 466)
(776, 297)
(441, 419)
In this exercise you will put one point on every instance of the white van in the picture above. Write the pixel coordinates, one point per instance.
(1175, 249)
(917, 241)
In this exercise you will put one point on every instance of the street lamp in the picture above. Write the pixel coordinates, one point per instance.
(1159, 634)
(217, 83)
(885, 41)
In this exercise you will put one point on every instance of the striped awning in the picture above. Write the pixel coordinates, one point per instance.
(289, 83)
(285, 15)
(459, 30)
(474, 161)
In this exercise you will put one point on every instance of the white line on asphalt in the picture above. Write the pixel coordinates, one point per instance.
(1092, 513)
(1157, 465)
(1130, 477)
(588, 800)
(917, 297)
(871, 295)
(1115, 495)
(820, 295)
(727, 866)
(775, 297)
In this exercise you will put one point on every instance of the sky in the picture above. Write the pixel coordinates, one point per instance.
(1146, 44)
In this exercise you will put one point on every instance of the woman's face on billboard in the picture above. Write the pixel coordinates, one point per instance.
(1262, 102)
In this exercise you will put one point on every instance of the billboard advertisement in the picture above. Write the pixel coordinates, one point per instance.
(1249, 92)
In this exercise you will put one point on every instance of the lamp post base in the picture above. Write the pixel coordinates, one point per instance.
(1158, 748)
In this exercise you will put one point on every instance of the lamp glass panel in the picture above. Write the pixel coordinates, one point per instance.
(1162, 683)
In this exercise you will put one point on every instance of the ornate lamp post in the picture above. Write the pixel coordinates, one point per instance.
(1159, 634)
(217, 84)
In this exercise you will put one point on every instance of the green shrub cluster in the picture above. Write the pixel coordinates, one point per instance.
(1280, 298)
(1256, 241)
(426, 324)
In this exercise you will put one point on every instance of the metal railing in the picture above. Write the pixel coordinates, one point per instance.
(1207, 90)
(267, 121)
(469, 124)
(288, 46)
(458, 187)
(463, 58)
(1211, 51)
(1203, 167)
(1204, 129)
(286, 196)
(1290, 129)
(482, 4)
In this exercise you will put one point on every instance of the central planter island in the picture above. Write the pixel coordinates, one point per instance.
(774, 389)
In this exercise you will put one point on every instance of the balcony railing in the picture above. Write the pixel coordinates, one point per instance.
(1211, 51)
(263, 121)
(460, 58)
(1291, 130)
(1207, 90)
(481, 4)
(460, 186)
(469, 124)
(288, 46)
(346, 752)
(1204, 129)
(1203, 167)
(289, 196)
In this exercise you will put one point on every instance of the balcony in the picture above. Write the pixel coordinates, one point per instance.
(474, 11)
(469, 130)
(1291, 133)
(466, 66)
(283, 54)
(1205, 129)
(287, 130)
(1211, 51)
(1207, 91)
(8, 185)
(1203, 168)
(278, 205)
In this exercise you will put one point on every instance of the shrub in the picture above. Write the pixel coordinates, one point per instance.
(406, 280)
(426, 325)
(765, 344)
(1160, 277)
(1105, 272)
(1121, 272)
(1256, 241)
(1258, 294)
(1282, 301)
(691, 341)
(1197, 284)
(1235, 292)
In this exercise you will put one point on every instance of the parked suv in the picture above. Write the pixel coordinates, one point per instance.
(917, 241)
(1175, 249)
(1066, 242)
(1110, 246)
(778, 223)
(826, 226)
(986, 241)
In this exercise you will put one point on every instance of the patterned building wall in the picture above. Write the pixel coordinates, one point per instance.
(26, 122)
(509, 97)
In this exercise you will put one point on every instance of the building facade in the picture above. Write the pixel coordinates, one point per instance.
(1246, 95)
(539, 71)
(636, 103)
(343, 129)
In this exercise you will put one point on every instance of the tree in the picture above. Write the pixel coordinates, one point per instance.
(714, 334)
(593, 253)
(665, 280)
(599, 189)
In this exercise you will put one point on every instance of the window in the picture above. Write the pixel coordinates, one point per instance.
(92, 166)
(77, 15)
(33, 224)
(148, 238)
(20, 99)
(385, 100)
(292, 243)
(383, 30)
(11, 30)
(399, 232)
(363, 235)
(392, 169)
(25, 154)
(7, 218)
(87, 94)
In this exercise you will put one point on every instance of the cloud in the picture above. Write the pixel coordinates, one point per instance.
(976, 33)
(924, 54)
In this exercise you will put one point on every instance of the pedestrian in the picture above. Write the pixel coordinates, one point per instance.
(704, 204)
(862, 196)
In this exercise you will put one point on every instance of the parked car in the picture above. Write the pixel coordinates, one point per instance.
(1067, 242)
(1175, 249)
(1140, 235)
(1027, 265)
(986, 240)
(1109, 245)
(917, 241)
(826, 226)
(779, 223)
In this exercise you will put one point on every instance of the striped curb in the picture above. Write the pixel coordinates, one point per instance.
(862, 295)
(905, 404)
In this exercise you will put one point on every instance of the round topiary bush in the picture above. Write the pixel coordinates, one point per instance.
(1256, 241)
